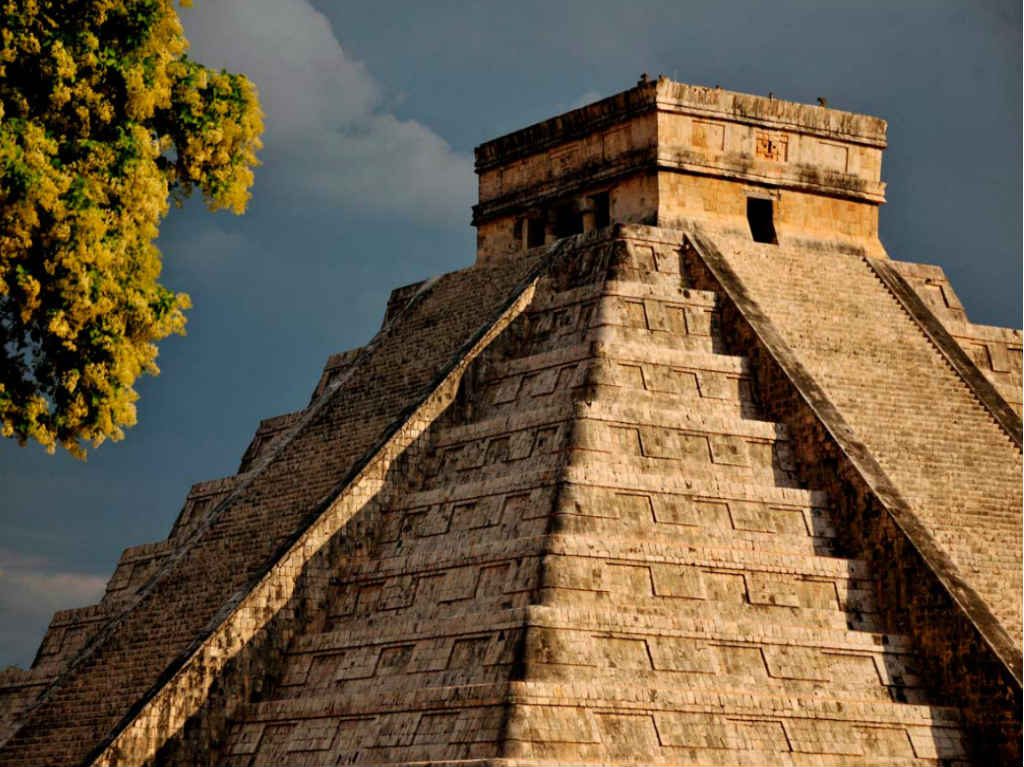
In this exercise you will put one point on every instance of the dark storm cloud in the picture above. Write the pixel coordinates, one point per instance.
(373, 110)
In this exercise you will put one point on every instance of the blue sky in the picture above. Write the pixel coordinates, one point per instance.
(373, 110)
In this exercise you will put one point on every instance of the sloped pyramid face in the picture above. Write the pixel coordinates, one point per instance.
(604, 555)
(642, 495)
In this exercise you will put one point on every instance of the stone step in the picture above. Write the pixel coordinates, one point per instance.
(647, 385)
(704, 486)
(388, 629)
(733, 405)
(664, 620)
(667, 356)
(656, 423)
(506, 367)
(513, 505)
(824, 616)
(582, 479)
(388, 701)
(561, 385)
(740, 753)
(484, 653)
(619, 352)
(810, 590)
(666, 291)
(136, 566)
(651, 723)
(689, 458)
(658, 340)
(732, 450)
(677, 506)
(737, 755)
(657, 550)
(716, 459)
(372, 729)
(442, 518)
(729, 669)
(706, 418)
(70, 630)
(522, 419)
(789, 536)
(751, 702)
(425, 562)
(675, 315)
(19, 687)
(846, 678)
(729, 596)
(471, 463)
(726, 577)
(756, 732)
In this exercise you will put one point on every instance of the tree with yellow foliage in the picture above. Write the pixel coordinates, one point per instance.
(103, 121)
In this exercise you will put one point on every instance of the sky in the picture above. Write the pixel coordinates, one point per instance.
(372, 113)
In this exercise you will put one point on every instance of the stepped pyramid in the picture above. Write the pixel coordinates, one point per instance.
(683, 470)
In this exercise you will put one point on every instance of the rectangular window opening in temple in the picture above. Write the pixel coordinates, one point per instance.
(534, 232)
(760, 217)
(601, 203)
(568, 220)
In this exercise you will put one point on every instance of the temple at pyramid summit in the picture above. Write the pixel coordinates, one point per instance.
(685, 469)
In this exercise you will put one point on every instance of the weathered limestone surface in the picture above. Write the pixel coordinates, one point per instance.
(245, 533)
(606, 558)
(996, 351)
(952, 461)
(634, 489)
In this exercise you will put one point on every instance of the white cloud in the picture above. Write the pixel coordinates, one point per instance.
(31, 590)
(329, 137)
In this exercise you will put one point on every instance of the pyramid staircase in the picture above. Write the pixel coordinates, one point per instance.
(601, 552)
(707, 479)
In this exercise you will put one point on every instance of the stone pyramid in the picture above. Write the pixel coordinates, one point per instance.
(684, 470)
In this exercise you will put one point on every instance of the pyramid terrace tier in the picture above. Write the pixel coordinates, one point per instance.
(737, 515)
(627, 725)
(767, 585)
(654, 567)
(561, 643)
(631, 373)
(591, 528)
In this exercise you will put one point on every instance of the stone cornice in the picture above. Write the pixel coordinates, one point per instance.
(667, 95)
